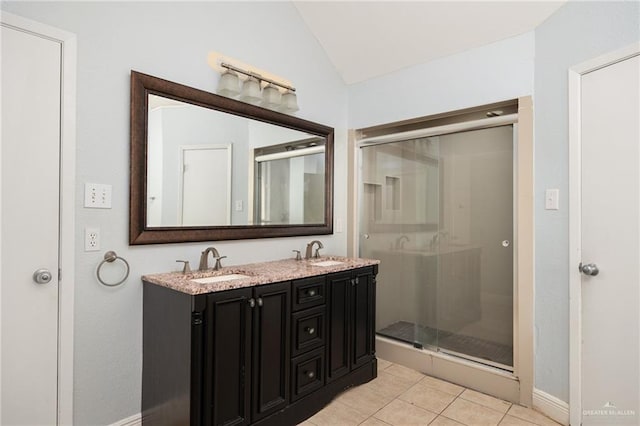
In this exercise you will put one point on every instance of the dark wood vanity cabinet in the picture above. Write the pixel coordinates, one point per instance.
(351, 315)
(269, 355)
(247, 342)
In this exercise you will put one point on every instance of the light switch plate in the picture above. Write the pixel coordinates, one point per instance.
(97, 196)
(552, 199)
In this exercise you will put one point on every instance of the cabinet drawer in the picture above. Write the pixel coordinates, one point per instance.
(308, 330)
(307, 373)
(308, 292)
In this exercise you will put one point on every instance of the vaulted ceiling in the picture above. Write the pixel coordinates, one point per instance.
(367, 39)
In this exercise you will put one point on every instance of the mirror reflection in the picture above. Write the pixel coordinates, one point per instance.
(210, 168)
(289, 184)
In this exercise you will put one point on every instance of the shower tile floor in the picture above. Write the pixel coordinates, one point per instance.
(401, 396)
(479, 348)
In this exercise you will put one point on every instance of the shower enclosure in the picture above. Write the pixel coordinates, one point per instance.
(438, 213)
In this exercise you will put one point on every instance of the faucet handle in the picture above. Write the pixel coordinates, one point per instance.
(186, 268)
(218, 264)
(298, 257)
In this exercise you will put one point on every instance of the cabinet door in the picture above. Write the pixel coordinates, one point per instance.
(362, 317)
(228, 352)
(271, 350)
(339, 318)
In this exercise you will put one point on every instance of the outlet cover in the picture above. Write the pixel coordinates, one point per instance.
(92, 239)
(97, 196)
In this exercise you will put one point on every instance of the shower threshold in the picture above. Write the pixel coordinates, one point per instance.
(467, 347)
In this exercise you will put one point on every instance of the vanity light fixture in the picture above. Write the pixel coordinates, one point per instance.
(251, 91)
(271, 96)
(274, 95)
(229, 84)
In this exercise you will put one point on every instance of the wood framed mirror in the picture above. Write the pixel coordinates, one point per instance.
(205, 168)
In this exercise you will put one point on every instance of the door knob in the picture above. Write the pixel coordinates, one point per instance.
(590, 269)
(42, 276)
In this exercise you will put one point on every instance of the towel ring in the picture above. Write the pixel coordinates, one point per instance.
(111, 257)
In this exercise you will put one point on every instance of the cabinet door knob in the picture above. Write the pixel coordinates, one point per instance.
(311, 374)
(252, 303)
(311, 292)
(259, 301)
(310, 330)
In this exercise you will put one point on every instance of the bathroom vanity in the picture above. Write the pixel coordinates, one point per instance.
(267, 343)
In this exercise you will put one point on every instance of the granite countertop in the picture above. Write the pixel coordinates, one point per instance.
(256, 274)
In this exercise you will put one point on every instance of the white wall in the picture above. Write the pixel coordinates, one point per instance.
(492, 73)
(576, 32)
(169, 40)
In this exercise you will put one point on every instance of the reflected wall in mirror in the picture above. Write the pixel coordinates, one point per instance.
(205, 168)
(289, 182)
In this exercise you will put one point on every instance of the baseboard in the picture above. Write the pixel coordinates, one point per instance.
(551, 406)
(135, 420)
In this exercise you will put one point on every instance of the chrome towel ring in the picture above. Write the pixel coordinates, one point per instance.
(111, 257)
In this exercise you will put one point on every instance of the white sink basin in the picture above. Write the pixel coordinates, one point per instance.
(327, 263)
(219, 278)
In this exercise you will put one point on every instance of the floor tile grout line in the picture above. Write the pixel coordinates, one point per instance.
(485, 406)
(449, 404)
(502, 418)
(381, 408)
(398, 398)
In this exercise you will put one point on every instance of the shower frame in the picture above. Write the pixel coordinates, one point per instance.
(518, 385)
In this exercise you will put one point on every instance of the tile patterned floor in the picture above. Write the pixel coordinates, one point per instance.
(401, 396)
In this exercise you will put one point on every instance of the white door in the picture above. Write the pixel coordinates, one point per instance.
(30, 175)
(206, 185)
(610, 214)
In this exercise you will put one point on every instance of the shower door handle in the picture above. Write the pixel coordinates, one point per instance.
(590, 269)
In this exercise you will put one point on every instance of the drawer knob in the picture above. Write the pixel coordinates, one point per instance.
(310, 330)
(311, 293)
(311, 374)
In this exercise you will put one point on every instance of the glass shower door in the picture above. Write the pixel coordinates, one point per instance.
(438, 213)
(399, 210)
(474, 246)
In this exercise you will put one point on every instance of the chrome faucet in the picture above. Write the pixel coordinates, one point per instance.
(204, 259)
(400, 241)
(310, 248)
(437, 238)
